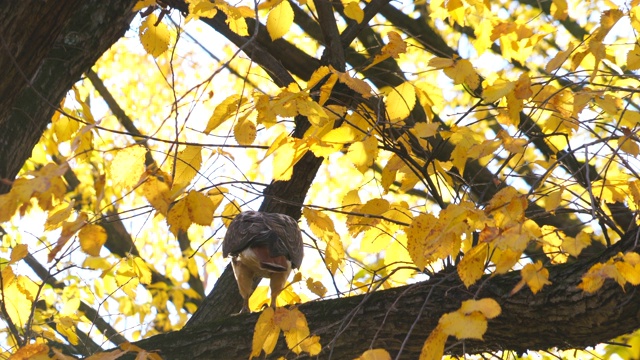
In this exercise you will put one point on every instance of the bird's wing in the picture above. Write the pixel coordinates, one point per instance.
(280, 232)
(289, 233)
(243, 230)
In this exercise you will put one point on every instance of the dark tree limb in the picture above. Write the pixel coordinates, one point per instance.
(561, 315)
(45, 46)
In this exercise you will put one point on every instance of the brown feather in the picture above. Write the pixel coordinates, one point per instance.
(263, 245)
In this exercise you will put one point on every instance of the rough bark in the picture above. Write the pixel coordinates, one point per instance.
(561, 315)
(45, 46)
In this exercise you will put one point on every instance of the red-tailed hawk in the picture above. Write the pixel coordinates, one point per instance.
(264, 245)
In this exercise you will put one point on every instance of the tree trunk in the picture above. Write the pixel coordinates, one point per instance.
(45, 47)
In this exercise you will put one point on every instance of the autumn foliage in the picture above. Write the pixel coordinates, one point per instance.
(467, 140)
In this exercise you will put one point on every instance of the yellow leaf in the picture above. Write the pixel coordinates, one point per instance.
(178, 217)
(355, 84)
(82, 144)
(559, 59)
(125, 278)
(345, 134)
(217, 195)
(281, 140)
(394, 48)
(200, 208)
(609, 103)
(154, 38)
(229, 212)
(66, 327)
(7, 275)
(463, 73)
(92, 237)
(224, 111)
(127, 166)
(334, 254)
(350, 200)
(487, 307)
(141, 269)
(316, 287)
(553, 200)
(86, 109)
(18, 253)
(363, 153)
(629, 272)
(498, 90)
(420, 228)
(96, 263)
(559, 9)
(157, 193)
(311, 345)
(507, 207)
(187, 166)
(536, 276)
(70, 307)
(313, 111)
(37, 351)
(629, 145)
(286, 156)
(471, 267)
(464, 326)
(327, 87)
(18, 296)
(400, 101)
(295, 327)
(265, 334)
(523, 87)
(424, 130)
(319, 74)
(8, 206)
(235, 18)
(455, 8)
(433, 347)
(279, 20)
(390, 171)
(515, 146)
(574, 246)
(441, 63)
(593, 280)
(478, 151)
(68, 230)
(58, 214)
(352, 10)
(633, 58)
(505, 259)
(375, 354)
(320, 223)
(65, 127)
(201, 8)
(361, 220)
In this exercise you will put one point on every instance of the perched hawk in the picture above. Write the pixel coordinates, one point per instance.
(264, 245)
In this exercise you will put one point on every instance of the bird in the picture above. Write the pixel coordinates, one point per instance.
(262, 245)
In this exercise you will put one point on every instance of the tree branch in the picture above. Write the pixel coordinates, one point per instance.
(572, 318)
(37, 88)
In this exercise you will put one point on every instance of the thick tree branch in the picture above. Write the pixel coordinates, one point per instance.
(70, 44)
(561, 315)
(334, 52)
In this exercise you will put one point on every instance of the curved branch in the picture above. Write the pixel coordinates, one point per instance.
(561, 315)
